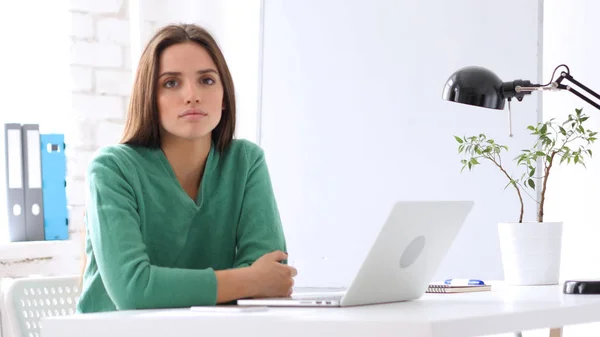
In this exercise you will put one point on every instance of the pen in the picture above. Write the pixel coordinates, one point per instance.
(464, 282)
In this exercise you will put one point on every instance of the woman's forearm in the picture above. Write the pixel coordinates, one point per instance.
(233, 284)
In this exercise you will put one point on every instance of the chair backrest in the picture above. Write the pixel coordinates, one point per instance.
(27, 300)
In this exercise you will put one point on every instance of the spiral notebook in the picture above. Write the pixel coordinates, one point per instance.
(446, 288)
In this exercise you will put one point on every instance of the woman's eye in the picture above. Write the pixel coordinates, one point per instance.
(208, 81)
(170, 84)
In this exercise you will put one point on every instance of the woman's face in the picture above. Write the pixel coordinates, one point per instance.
(189, 92)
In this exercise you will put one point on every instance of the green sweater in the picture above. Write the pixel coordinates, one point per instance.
(149, 245)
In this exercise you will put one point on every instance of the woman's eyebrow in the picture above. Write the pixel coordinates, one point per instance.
(177, 73)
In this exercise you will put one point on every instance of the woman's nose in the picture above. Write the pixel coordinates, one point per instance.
(192, 94)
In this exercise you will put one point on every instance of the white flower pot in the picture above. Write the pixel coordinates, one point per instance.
(531, 252)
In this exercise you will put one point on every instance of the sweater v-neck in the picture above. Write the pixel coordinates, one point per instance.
(190, 203)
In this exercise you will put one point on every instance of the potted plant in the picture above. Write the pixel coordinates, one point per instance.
(531, 250)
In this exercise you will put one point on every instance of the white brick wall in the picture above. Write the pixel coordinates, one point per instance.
(108, 132)
(82, 26)
(154, 10)
(113, 82)
(81, 79)
(78, 160)
(113, 30)
(96, 54)
(97, 7)
(97, 106)
(127, 58)
(75, 193)
(101, 83)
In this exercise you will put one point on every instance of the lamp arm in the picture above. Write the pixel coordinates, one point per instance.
(557, 85)
(565, 75)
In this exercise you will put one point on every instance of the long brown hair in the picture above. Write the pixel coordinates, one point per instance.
(142, 126)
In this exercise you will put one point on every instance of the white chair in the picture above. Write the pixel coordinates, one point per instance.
(27, 300)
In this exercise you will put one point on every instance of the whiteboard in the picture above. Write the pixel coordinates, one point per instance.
(352, 120)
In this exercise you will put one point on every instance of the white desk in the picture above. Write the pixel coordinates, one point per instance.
(503, 310)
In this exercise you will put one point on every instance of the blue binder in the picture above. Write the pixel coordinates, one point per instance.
(54, 172)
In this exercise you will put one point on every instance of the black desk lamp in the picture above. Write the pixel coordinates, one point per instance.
(480, 87)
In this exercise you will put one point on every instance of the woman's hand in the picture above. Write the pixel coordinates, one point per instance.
(271, 277)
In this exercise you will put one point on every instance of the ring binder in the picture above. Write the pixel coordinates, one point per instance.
(54, 187)
(32, 163)
(15, 195)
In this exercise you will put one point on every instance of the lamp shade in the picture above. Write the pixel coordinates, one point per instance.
(475, 86)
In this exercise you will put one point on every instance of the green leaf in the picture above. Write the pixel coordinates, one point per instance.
(531, 183)
(540, 153)
(531, 127)
(532, 172)
(589, 152)
(473, 161)
(544, 129)
(562, 130)
(458, 139)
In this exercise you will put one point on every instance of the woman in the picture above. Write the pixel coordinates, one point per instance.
(179, 214)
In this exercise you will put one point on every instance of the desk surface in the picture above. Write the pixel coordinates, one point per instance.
(502, 310)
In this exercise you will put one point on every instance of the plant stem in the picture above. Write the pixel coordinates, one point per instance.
(529, 195)
(544, 185)
(514, 185)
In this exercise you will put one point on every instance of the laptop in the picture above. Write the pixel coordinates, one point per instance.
(400, 264)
